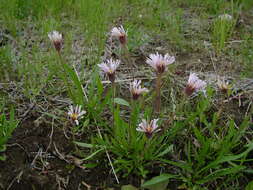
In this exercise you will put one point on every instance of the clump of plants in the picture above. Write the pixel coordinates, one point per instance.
(192, 144)
(222, 29)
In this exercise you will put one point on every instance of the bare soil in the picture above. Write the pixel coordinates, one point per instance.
(30, 166)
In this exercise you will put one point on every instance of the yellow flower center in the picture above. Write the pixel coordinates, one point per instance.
(149, 129)
(74, 116)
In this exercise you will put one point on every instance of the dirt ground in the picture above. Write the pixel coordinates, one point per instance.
(33, 162)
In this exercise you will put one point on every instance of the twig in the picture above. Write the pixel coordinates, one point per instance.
(108, 156)
(237, 96)
(61, 180)
(16, 144)
(51, 135)
(86, 185)
(235, 41)
(248, 108)
(35, 158)
(27, 111)
(73, 160)
(65, 134)
(62, 157)
(16, 178)
(127, 80)
(214, 66)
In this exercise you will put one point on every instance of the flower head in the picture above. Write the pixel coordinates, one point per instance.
(76, 113)
(109, 67)
(57, 40)
(148, 128)
(136, 89)
(226, 17)
(159, 62)
(194, 84)
(223, 85)
(120, 34)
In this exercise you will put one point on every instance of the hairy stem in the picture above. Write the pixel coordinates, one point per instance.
(113, 104)
(157, 102)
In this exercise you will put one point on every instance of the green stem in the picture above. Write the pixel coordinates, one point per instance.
(181, 106)
(73, 137)
(133, 119)
(113, 103)
(157, 102)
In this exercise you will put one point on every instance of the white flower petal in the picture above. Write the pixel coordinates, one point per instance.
(109, 66)
(158, 61)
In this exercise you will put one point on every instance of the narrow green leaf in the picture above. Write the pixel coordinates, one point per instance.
(128, 187)
(121, 101)
(158, 182)
(2, 148)
(249, 186)
(86, 123)
(220, 173)
(76, 81)
(226, 159)
(167, 150)
(93, 154)
(84, 145)
(2, 158)
(90, 165)
(180, 164)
